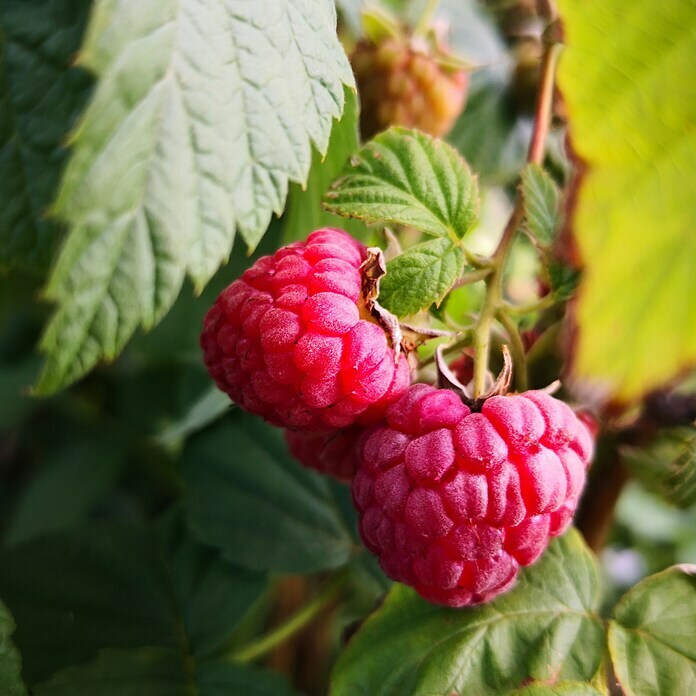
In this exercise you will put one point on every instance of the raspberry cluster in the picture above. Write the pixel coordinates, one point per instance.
(452, 501)
(401, 85)
(292, 340)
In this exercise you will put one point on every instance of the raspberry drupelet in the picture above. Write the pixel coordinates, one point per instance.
(292, 340)
(454, 502)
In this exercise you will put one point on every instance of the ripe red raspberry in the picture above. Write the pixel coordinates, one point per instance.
(331, 453)
(404, 84)
(292, 340)
(453, 502)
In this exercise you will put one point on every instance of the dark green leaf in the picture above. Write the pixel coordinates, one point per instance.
(202, 114)
(207, 408)
(67, 487)
(420, 276)
(107, 586)
(408, 178)
(142, 671)
(247, 496)
(10, 661)
(161, 672)
(304, 213)
(541, 203)
(564, 279)
(667, 464)
(40, 95)
(545, 628)
(652, 639)
(247, 680)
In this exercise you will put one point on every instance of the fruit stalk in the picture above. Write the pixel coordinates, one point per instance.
(494, 282)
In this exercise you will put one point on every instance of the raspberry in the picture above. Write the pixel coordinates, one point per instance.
(332, 453)
(453, 502)
(292, 340)
(404, 84)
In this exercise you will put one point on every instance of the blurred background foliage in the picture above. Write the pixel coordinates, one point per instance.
(113, 447)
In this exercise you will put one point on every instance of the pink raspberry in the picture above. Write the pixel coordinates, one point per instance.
(293, 341)
(332, 453)
(453, 502)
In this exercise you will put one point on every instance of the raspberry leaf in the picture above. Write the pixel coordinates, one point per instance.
(10, 661)
(303, 213)
(40, 95)
(201, 115)
(651, 634)
(545, 629)
(160, 672)
(631, 125)
(541, 203)
(126, 590)
(406, 177)
(260, 507)
(667, 464)
(420, 276)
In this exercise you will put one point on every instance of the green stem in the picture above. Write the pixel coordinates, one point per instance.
(538, 306)
(494, 291)
(421, 28)
(452, 348)
(517, 352)
(294, 624)
(472, 277)
(493, 301)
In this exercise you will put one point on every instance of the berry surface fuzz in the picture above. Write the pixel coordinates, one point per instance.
(292, 340)
(454, 502)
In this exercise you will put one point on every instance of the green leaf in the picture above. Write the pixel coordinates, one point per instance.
(541, 203)
(303, 213)
(420, 276)
(117, 587)
(631, 125)
(566, 688)
(408, 178)
(145, 671)
(202, 114)
(651, 635)
(206, 409)
(667, 464)
(10, 661)
(219, 679)
(247, 496)
(489, 134)
(65, 489)
(40, 96)
(544, 629)
(160, 672)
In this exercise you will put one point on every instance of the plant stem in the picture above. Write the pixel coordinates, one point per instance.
(425, 18)
(494, 282)
(517, 351)
(294, 624)
(542, 115)
(472, 277)
(494, 297)
(538, 306)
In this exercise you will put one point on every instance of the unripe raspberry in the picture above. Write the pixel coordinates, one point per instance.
(453, 502)
(332, 453)
(401, 84)
(292, 340)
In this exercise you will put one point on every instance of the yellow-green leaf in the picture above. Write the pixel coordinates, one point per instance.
(627, 75)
